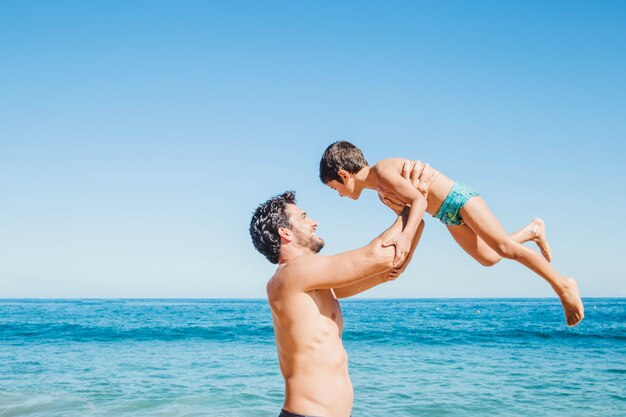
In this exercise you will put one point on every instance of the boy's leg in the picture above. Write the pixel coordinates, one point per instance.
(483, 222)
(473, 245)
(535, 231)
(481, 252)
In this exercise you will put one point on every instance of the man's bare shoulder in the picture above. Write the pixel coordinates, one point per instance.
(289, 275)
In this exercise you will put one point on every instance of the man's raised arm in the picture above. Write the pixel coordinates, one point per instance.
(323, 272)
(370, 282)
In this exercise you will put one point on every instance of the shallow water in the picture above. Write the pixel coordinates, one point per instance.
(467, 357)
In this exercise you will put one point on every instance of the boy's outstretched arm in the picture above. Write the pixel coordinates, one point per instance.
(395, 272)
(421, 176)
(391, 179)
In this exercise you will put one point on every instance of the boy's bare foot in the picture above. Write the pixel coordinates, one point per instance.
(572, 303)
(537, 231)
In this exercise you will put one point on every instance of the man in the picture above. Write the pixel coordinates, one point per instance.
(303, 295)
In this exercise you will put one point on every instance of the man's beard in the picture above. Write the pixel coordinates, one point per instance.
(312, 242)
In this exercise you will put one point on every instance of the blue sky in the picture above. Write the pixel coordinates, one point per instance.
(136, 138)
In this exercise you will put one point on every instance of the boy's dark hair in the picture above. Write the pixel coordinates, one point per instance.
(266, 220)
(340, 155)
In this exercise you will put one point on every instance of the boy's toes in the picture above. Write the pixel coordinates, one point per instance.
(574, 319)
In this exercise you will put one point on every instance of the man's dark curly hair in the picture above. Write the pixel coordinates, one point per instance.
(266, 220)
(340, 155)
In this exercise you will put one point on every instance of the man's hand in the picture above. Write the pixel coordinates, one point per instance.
(402, 247)
(397, 271)
(393, 274)
(420, 174)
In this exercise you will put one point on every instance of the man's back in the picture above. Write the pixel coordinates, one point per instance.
(313, 361)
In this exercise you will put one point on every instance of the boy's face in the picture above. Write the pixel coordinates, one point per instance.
(344, 190)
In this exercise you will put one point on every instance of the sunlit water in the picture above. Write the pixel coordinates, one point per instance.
(217, 358)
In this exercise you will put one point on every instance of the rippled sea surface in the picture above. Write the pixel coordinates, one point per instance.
(467, 357)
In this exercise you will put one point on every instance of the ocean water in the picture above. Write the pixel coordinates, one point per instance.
(439, 357)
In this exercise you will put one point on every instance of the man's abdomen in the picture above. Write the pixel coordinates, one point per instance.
(325, 391)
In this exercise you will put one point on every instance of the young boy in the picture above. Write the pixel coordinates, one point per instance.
(470, 222)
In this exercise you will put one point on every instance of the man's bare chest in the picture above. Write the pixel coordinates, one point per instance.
(329, 306)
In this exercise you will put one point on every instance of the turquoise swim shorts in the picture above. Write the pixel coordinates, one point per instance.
(450, 211)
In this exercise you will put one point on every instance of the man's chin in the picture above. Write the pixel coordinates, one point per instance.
(314, 243)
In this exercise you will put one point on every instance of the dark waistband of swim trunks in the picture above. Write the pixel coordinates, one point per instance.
(285, 413)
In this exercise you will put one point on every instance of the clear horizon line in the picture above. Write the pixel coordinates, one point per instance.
(263, 298)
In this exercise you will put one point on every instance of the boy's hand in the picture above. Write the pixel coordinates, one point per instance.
(402, 246)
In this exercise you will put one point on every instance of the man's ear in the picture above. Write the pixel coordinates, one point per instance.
(285, 235)
(344, 175)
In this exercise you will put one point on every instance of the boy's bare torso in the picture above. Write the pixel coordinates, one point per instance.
(438, 189)
(313, 361)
